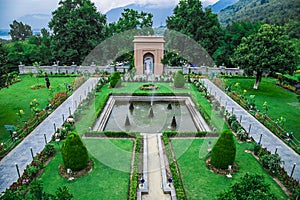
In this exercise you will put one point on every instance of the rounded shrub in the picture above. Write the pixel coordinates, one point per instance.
(115, 80)
(223, 153)
(74, 152)
(179, 79)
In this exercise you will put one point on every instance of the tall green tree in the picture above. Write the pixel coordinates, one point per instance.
(3, 67)
(131, 19)
(19, 31)
(232, 38)
(202, 26)
(119, 47)
(77, 28)
(267, 51)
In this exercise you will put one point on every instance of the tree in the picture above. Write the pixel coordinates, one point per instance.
(202, 26)
(19, 31)
(74, 152)
(179, 79)
(3, 67)
(77, 28)
(233, 35)
(131, 19)
(267, 51)
(249, 187)
(171, 58)
(223, 153)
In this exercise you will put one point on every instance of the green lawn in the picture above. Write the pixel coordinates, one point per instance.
(200, 183)
(19, 95)
(281, 102)
(109, 178)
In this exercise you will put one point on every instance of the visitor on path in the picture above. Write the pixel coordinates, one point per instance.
(47, 81)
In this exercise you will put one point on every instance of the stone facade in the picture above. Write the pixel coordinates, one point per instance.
(148, 52)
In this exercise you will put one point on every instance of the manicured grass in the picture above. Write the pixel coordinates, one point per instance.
(19, 95)
(281, 102)
(109, 178)
(200, 183)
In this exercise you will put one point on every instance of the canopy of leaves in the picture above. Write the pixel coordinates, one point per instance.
(223, 153)
(249, 187)
(19, 31)
(131, 19)
(267, 51)
(171, 58)
(232, 38)
(77, 28)
(202, 26)
(35, 49)
(74, 152)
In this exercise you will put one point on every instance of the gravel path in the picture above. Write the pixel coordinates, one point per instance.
(21, 154)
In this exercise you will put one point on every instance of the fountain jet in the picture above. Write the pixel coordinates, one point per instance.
(173, 123)
(127, 122)
(131, 107)
(151, 114)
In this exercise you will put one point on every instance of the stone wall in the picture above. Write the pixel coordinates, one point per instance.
(74, 69)
(210, 71)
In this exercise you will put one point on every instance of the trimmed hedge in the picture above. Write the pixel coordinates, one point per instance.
(74, 152)
(224, 151)
(179, 80)
(135, 176)
(118, 134)
(178, 185)
(190, 134)
(115, 80)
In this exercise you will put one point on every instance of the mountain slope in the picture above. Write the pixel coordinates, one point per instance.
(274, 11)
(220, 5)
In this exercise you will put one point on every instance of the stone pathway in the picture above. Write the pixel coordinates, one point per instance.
(268, 139)
(154, 171)
(21, 155)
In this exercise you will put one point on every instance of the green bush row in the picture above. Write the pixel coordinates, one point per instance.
(190, 134)
(102, 104)
(178, 185)
(59, 75)
(135, 179)
(118, 134)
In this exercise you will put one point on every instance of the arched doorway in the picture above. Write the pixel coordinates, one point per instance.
(148, 64)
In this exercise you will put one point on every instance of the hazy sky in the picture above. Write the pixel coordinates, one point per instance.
(14, 9)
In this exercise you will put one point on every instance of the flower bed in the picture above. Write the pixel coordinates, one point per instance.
(149, 87)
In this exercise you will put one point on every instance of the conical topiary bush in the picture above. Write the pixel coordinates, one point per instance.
(223, 153)
(179, 80)
(74, 152)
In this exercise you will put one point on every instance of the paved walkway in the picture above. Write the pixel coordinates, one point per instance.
(269, 140)
(21, 155)
(154, 171)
